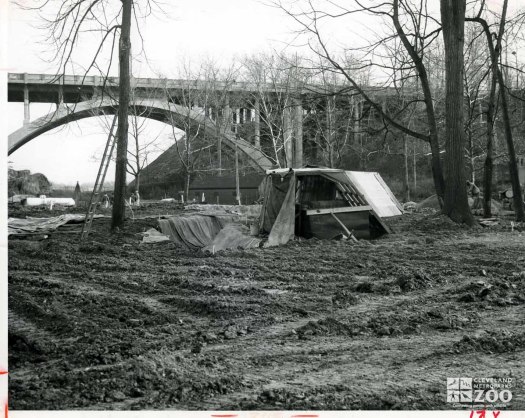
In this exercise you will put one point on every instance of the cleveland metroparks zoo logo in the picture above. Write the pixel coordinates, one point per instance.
(491, 390)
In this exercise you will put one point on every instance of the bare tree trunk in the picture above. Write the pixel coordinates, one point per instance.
(489, 163)
(414, 168)
(123, 108)
(406, 188)
(455, 200)
(137, 181)
(513, 163)
(471, 155)
(188, 163)
(187, 186)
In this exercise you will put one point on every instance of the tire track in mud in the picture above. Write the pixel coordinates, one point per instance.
(310, 323)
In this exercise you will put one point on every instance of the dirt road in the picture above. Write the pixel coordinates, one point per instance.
(115, 324)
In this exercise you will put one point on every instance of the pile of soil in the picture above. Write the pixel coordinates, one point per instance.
(23, 182)
(432, 202)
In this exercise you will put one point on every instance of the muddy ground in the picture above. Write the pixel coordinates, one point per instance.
(313, 325)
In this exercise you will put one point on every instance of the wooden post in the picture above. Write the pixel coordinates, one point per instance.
(237, 187)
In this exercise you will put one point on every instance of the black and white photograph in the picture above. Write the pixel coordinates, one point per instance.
(263, 205)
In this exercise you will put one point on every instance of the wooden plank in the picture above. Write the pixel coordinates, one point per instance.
(348, 196)
(357, 191)
(358, 196)
(348, 233)
(311, 212)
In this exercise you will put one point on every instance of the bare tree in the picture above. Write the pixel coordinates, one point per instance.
(497, 76)
(118, 213)
(194, 98)
(274, 80)
(416, 29)
(76, 18)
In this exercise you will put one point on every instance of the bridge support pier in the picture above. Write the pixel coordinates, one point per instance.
(237, 122)
(287, 136)
(60, 100)
(26, 105)
(257, 124)
(330, 129)
(225, 126)
(298, 132)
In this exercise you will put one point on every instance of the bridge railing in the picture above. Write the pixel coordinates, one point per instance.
(165, 83)
(161, 83)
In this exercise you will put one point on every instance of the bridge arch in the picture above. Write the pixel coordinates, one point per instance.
(150, 108)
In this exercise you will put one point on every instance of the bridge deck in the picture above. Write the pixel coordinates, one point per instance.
(44, 88)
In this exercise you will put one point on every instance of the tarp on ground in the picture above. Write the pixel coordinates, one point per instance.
(211, 209)
(233, 236)
(153, 236)
(210, 231)
(195, 231)
(42, 225)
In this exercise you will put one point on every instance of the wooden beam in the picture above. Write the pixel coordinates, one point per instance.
(311, 212)
(342, 225)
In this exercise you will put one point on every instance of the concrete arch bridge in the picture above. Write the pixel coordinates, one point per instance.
(151, 108)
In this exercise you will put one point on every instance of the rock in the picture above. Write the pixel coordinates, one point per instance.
(210, 336)
(197, 348)
(364, 287)
(242, 331)
(384, 330)
(136, 392)
(484, 292)
(467, 297)
(118, 395)
(230, 333)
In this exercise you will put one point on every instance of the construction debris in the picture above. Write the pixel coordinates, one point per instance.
(16, 226)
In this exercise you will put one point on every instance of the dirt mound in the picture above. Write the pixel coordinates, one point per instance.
(437, 224)
(327, 326)
(432, 202)
(413, 281)
(491, 342)
(341, 397)
(499, 292)
(23, 182)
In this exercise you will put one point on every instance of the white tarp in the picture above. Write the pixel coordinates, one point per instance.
(376, 192)
(49, 201)
(42, 225)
